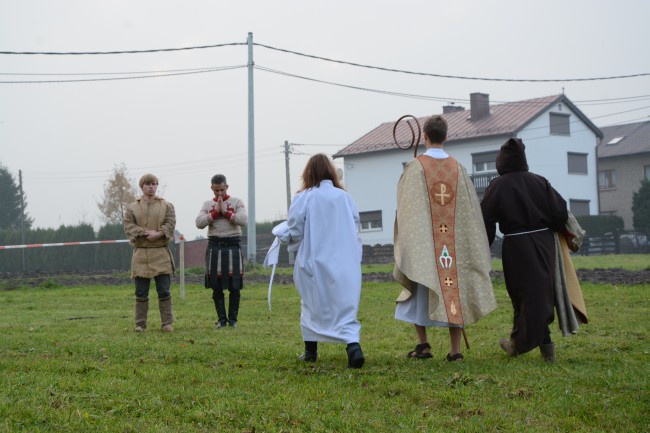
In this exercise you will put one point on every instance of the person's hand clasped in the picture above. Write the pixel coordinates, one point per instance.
(221, 206)
(153, 235)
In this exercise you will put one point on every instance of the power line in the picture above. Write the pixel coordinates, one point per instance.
(173, 167)
(173, 72)
(366, 89)
(223, 68)
(327, 59)
(459, 77)
(85, 53)
(205, 68)
(446, 99)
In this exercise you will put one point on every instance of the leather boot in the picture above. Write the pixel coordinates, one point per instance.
(141, 311)
(548, 352)
(166, 314)
(220, 306)
(355, 355)
(311, 352)
(233, 307)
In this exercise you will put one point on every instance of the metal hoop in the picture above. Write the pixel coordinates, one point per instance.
(414, 141)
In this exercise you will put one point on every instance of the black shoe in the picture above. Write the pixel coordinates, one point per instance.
(308, 356)
(355, 355)
(233, 323)
(221, 325)
(456, 357)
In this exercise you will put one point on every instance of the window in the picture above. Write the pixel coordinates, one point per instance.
(579, 207)
(646, 172)
(370, 221)
(577, 163)
(607, 179)
(559, 123)
(614, 141)
(484, 162)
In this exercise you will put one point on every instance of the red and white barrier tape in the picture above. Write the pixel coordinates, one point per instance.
(60, 244)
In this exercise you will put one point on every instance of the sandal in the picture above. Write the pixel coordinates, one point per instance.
(419, 352)
(457, 357)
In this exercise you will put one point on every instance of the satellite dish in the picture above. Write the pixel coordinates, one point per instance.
(339, 173)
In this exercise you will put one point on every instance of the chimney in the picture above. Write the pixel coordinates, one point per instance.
(452, 109)
(479, 105)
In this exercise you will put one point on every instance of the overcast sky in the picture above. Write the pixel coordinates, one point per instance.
(66, 137)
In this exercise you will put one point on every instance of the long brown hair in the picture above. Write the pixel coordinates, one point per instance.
(318, 168)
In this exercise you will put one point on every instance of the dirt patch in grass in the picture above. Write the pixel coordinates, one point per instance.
(10, 281)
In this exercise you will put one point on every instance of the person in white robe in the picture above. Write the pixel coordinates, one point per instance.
(322, 228)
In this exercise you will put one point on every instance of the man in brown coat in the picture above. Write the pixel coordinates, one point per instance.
(149, 224)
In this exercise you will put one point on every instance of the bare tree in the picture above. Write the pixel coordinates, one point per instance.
(119, 191)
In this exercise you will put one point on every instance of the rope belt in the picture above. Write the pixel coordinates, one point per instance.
(525, 233)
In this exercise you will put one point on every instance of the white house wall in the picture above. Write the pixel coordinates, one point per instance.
(372, 178)
(547, 156)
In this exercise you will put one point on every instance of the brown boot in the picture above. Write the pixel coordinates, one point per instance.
(141, 310)
(548, 352)
(166, 314)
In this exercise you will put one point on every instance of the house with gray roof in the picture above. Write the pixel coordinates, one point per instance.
(623, 162)
(560, 145)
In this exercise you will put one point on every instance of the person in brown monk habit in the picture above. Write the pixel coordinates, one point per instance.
(528, 210)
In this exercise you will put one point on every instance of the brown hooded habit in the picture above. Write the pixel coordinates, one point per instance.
(528, 209)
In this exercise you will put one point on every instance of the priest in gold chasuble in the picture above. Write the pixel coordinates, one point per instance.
(442, 256)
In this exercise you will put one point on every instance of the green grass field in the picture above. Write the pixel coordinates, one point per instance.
(71, 363)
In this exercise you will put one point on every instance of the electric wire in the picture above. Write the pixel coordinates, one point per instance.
(327, 59)
(223, 68)
(442, 98)
(109, 73)
(86, 53)
(459, 77)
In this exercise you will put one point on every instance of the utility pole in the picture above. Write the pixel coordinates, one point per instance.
(251, 232)
(287, 152)
(22, 214)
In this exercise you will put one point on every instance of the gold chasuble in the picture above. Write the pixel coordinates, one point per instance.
(440, 241)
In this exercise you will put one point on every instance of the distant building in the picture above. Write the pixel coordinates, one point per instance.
(623, 162)
(560, 144)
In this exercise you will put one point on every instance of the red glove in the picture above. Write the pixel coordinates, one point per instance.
(214, 214)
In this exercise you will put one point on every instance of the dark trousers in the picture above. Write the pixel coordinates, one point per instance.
(163, 283)
(223, 261)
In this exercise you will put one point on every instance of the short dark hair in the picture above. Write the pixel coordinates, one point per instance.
(219, 178)
(435, 128)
